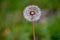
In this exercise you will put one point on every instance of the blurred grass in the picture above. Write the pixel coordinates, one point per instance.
(14, 26)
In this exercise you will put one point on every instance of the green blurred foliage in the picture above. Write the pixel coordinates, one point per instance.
(13, 26)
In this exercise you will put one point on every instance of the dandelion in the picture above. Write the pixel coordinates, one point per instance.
(32, 13)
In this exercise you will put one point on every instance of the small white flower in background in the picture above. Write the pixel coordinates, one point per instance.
(32, 13)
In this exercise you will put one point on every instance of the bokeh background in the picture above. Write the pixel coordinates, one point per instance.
(13, 26)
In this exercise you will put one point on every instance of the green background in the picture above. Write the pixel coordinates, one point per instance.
(13, 26)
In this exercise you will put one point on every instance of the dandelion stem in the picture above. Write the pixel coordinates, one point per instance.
(33, 30)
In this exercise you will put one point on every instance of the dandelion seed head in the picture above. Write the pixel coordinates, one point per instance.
(32, 13)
